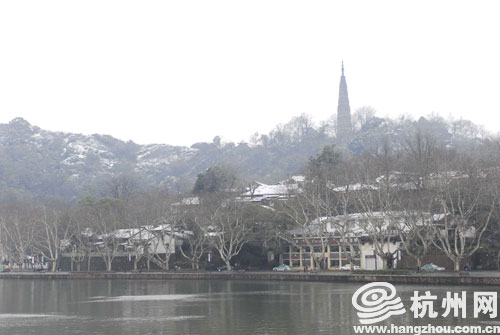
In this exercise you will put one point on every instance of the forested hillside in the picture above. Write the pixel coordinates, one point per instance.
(35, 162)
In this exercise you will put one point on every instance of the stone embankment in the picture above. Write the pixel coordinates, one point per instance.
(486, 278)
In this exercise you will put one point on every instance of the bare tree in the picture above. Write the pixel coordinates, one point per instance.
(17, 224)
(421, 155)
(196, 229)
(382, 229)
(232, 226)
(377, 204)
(80, 247)
(362, 117)
(416, 234)
(308, 211)
(325, 194)
(420, 158)
(105, 217)
(468, 198)
(122, 187)
(346, 188)
(53, 230)
(162, 243)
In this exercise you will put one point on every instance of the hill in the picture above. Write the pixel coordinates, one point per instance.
(37, 162)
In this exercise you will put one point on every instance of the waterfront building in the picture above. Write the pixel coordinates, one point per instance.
(123, 246)
(334, 243)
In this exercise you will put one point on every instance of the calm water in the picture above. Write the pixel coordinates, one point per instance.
(192, 307)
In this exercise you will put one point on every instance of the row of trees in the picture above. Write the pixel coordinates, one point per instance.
(146, 225)
(420, 193)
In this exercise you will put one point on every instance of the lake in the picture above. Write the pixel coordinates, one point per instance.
(196, 307)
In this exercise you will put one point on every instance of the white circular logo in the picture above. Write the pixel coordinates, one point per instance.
(377, 301)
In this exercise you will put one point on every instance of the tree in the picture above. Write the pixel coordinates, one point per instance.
(81, 239)
(308, 211)
(162, 243)
(311, 208)
(492, 240)
(151, 217)
(320, 167)
(229, 224)
(382, 229)
(345, 191)
(17, 230)
(468, 198)
(362, 117)
(196, 243)
(416, 234)
(53, 231)
(104, 218)
(218, 178)
(377, 204)
(421, 154)
(122, 187)
(329, 126)
(232, 225)
(308, 227)
(299, 128)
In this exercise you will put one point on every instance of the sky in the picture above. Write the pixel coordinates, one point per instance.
(180, 72)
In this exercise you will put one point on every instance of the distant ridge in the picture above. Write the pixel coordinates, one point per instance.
(36, 162)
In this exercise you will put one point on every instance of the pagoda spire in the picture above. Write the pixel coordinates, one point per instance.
(344, 127)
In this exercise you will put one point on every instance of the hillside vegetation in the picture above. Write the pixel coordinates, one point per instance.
(35, 162)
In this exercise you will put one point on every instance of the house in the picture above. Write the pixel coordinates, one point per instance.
(127, 243)
(260, 192)
(359, 238)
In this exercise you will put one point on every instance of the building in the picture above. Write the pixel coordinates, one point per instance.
(334, 243)
(125, 247)
(260, 192)
(344, 126)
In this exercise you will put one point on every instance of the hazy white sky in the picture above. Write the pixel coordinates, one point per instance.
(180, 72)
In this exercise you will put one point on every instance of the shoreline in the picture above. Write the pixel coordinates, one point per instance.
(416, 279)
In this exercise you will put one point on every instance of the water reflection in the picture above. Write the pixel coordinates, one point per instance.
(195, 307)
